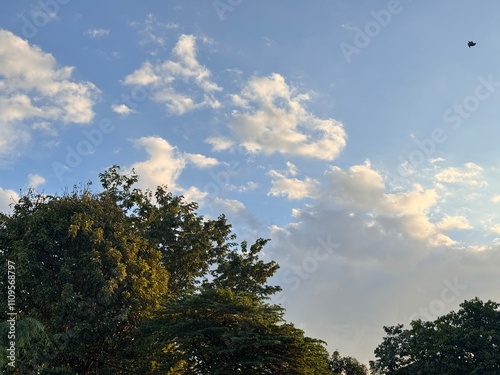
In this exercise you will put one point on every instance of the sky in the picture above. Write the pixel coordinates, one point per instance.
(360, 137)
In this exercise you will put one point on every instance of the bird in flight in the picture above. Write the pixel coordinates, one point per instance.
(471, 44)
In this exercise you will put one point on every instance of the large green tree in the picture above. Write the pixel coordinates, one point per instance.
(84, 271)
(229, 327)
(464, 342)
(131, 281)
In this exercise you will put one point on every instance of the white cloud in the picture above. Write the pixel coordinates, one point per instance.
(122, 109)
(495, 228)
(293, 188)
(35, 180)
(361, 190)
(274, 119)
(96, 33)
(166, 80)
(219, 143)
(7, 197)
(249, 186)
(144, 76)
(34, 89)
(201, 161)
(230, 205)
(495, 198)
(471, 174)
(164, 166)
(454, 222)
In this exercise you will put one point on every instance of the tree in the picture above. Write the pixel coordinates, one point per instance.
(345, 365)
(130, 281)
(225, 332)
(463, 342)
(84, 272)
(29, 336)
(229, 328)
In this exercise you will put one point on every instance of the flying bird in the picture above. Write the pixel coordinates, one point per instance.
(471, 44)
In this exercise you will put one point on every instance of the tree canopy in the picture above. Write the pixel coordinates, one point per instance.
(464, 342)
(130, 281)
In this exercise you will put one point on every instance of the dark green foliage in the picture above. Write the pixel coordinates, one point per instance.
(84, 272)
(345, 365)
(130, 281)
(464, 342)
(223, 332)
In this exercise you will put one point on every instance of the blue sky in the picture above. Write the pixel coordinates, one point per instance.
(361, 137)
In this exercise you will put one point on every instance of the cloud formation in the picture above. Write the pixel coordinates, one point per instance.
(169, 81)
(283, 185)
(271, 116)
(392, 260)
(34, 88)
(7, 197)
(165, 164)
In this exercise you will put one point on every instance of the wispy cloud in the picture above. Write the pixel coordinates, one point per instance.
(97, 33)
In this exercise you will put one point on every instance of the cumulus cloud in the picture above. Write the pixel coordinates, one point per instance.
(361, 257)
(34, 89)
(271, 117)
(169, 81)
(7, 197)
(165, 164)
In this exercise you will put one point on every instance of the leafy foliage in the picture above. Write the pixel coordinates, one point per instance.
(225, 332)
(130, 281)
(345, 365)
(84, 272)
(463, 342)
